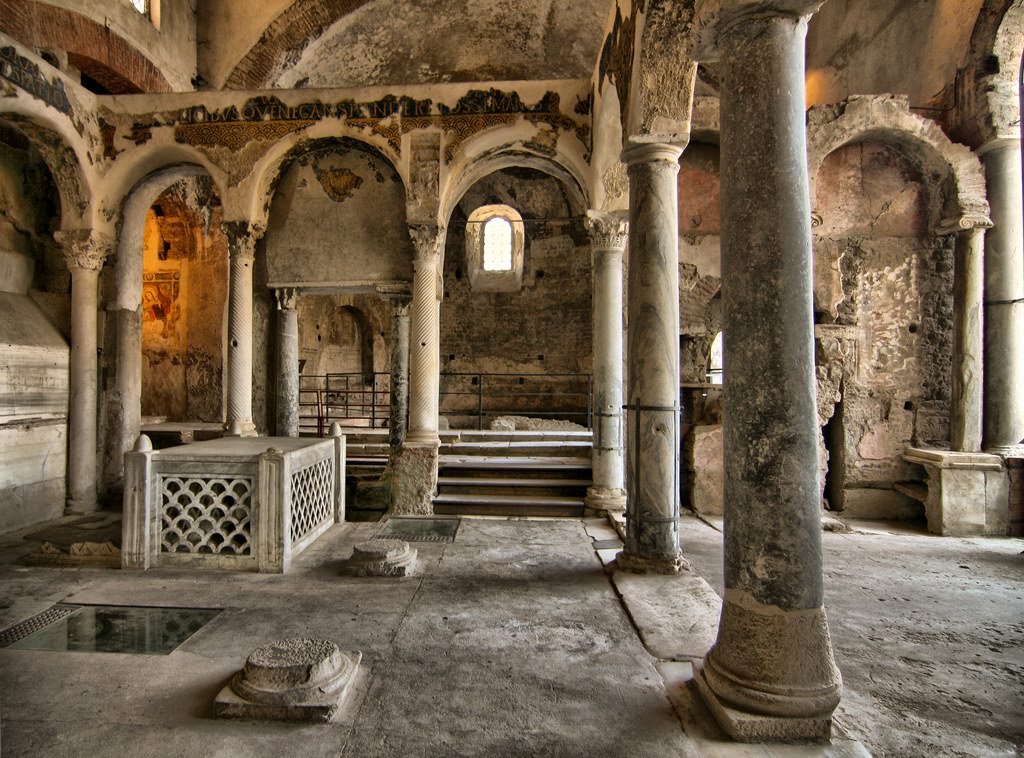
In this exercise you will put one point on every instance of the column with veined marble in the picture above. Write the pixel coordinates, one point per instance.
(242, 237)
(608, 232)
(399, 297)
(85, 251)
(771, 675)
(652, 349)
(287, 362)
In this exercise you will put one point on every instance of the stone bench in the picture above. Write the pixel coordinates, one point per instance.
(967, 493)
(243, 503)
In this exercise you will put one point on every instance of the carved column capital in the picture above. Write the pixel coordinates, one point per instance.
(712, 18)
(964, 223)
(287, 298)
(654, 154)
(427, 239)
(242, 237)
(608, 231)
(85, 249)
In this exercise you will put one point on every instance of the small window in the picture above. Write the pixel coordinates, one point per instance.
(140, 6)
(495, 244)
(715, 362)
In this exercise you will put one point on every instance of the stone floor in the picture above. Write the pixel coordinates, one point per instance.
(512, 641)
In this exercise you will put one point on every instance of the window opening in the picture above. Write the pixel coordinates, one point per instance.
(140, 6)
(497, 245)
(715, 363)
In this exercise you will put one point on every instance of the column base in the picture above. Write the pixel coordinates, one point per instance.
(602, 500)
(80, 507)
(752, 727)
(423, 438)
(642, 565)
(240, 429)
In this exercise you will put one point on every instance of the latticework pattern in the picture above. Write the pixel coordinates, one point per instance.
(312, 490)
(210, 515)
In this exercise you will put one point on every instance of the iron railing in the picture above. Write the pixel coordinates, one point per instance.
(346, 398)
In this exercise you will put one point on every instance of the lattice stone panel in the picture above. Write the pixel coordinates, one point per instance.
(312, 497)
(206, 515)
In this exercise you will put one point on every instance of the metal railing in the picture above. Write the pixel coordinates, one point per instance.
(467, 398)
(485, 396)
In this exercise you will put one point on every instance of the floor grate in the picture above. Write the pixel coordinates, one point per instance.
(420, 529)
(29, 626)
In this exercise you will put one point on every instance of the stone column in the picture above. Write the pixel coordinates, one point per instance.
(770, 677)
(287, 363)
(966, 412)
(398, 423)
(1004, 297)
(242, 237)
(652, 348)
(608, 234)
(424, 353)
(85, 251)
(414, 467)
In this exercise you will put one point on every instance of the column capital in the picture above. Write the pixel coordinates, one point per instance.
(287, 298)
(712, 18)
(242, 237)
(427, 239)
(608, 231)
(966, 222)
(651, 153)
(85, 249)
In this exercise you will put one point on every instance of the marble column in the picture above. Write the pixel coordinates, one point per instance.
(85, 252)
(770, 676)
(424, 351)
(398, 423)
(968, 291)
(1004, 297)
(608, 233)
(242, 237)
(652, 349)
(287, 362)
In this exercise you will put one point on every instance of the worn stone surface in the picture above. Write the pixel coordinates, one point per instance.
(413, 480)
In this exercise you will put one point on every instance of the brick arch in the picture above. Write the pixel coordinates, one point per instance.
(99, 52)
(296, 26)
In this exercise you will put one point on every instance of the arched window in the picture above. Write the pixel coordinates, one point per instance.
(495, 244)
(715, 363)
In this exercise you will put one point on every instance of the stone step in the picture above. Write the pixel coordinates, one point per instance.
(519, 450)
(509, 505)
(520, 467)
(487, 435)
(531, 487)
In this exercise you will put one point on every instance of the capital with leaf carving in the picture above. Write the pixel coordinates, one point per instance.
(242, 237)
(608, 231)
(427, 240)
(287, 298)
(713, 17)
(85, 249)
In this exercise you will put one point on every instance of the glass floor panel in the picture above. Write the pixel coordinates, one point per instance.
(421, 529)
(118, 629)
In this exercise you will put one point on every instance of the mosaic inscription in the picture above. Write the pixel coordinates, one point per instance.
(22, 72)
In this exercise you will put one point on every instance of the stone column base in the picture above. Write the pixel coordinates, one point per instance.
(642, 565)
(753, 727)
(240, 429)
(80, 507)
(602, 500)
(414, 479)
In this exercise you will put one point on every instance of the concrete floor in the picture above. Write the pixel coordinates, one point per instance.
(511, 641)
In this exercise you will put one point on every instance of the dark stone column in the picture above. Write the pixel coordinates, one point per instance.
(287, 363)
(652, 349)
(399, 371)
(771, 675)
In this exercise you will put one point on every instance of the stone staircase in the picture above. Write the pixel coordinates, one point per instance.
(491, 473)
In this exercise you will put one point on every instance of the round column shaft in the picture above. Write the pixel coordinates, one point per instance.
(424, 352)
(242, 237)
(608, 241)
(287, 363)
(399, 373)
(85, 251)
(968, 291)
(652, 447)
(771, 674)
(1004, 297)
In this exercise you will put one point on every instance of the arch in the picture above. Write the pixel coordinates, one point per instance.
(272, 166)
(888, 119)
(365, 335)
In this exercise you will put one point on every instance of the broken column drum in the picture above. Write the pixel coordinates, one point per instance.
(608, 241)
(771, 674)
(242, 237)
(287, 363)
(652, 347)
(85, 252)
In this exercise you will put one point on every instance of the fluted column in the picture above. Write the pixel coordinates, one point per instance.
(424, 352)
(652, 349)
(85, 252)
(398, 423)
(968, 292)
(771, 675)
(242, 237)
(608, 233)
(287, 362)
(1004, 297)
